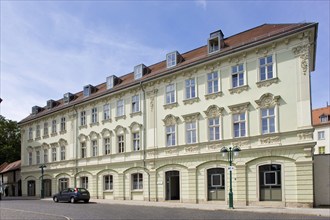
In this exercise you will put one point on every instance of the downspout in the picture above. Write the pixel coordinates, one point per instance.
(144, 119)
(75, 142)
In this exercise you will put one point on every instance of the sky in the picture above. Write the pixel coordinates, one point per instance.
(49, 48)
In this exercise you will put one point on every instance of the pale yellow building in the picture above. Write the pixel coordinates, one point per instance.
(156, 133)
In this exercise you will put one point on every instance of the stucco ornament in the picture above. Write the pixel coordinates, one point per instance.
(267, 100)
(303, 52)
(270, 140)
(191, 117)
(170, 120)
(239, 108)
(62, 142)
(151, 95)
(82, 138)
(213, 111)
(305, 136)
(106, 132)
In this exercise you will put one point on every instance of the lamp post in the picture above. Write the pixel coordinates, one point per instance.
(42, 180)
(230, 152)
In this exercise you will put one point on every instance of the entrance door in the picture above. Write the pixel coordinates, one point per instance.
(172, 185)
(216, 184)
(31, 185)
(47, 188)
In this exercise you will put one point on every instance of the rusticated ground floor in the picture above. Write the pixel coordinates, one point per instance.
(278, 176)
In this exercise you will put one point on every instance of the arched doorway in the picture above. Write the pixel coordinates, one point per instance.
(31, 185)
(172, 185)
(216, 184)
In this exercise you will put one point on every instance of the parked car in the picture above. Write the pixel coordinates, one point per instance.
(72, 195)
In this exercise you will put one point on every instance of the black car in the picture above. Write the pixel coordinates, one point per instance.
(72, 195)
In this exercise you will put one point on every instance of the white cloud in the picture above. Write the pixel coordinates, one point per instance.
(201, 3)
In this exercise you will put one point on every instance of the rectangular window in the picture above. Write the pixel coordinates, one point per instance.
(63, 128)
(108, 182)
(270, 178)
(170, 94)
(212, 82)
(324, 118)
(106, 112)
(84, 182)
(266, 67)
(83, 150)
(191, 132)
(136, 103)
(46, 129)
(30, 133)
(170, 135)
(54, 127)
(120, 108)
(136, 141)
(137, 181)
(54, 154)
(268, 120)
(106, 146)
(237, 74)
(190, 88)
(138, 70)
(171, 59)
(214, 129)
(62, 152)
(38, 156)
(30, 158)
(94, 148)
(83, 118)
(239, 125)
(322, 150)
(94, 115)
(45, 155)
(320, 135)
(121, 144)
(216, 180)
(38, 131)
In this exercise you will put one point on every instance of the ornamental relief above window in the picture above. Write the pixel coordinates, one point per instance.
(267, 100)
(213, 111)
(170, 120)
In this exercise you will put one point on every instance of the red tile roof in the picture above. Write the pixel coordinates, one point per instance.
(236, 42)
(2, 166)
(12, 166)
(317, 113)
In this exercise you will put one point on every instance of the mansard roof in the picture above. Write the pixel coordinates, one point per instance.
(321, 112)
(235, 43)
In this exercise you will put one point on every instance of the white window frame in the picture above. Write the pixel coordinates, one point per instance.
(107, 145)
(273, 67)
(213, 82)
(30, 133)
(45, 155)
(136, 141)
(137, 181)
(135, 103)
(138, 72)
(324, 118)
(120, 107)
(214, 126)
(320, 135)
(108, 182)
(169, 134)
(321, 150)
(94, 146)
(240, 121)
(106, 112)
(191, 130)
(192, 88)
(94, 115)
(170, 93)
(121, 143)
(212, 183)
(270, 184)
(63, 127)
(38, 131)
(238, 73)
(62, 152)
(84, 182)
(83, 150)
(171, 59)
(38, 156)
(54, 154)
(54, 126)
(45, 128)
(30, 158)
(268, 118)
(82, 118)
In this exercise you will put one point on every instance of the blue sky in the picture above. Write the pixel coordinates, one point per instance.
(49, 48)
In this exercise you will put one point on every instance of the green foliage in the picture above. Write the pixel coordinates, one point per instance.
(10, 141)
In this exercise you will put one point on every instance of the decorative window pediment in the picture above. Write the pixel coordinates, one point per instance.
(213, 111)
(239, 108)
(191, 117)
(106, 133)
(267, 100)
(62, 142)
(120, 129)
(82, 138)
(45, 145)
(93, 135)
(170, 120)
(29, 149)
(135, 126)
(54, 144)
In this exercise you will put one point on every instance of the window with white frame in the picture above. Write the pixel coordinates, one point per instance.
(63, 127)
(136, 141)
(107, 146)
(94, 148)
(82, 118)
(62, 152)
(46, 129)
(106, 112)
(216, 180)
(171, 59)
(266, 68)
(324, 118)
(84, 182)
(30, 158)
(63, 183)
(135, 103)
(120, 108)
(94, 115)
(191, 134)
(121, 143)
(45, 155)
(268, 120)
(237, 75)
(137, 181)
(322, 150)
(38, 156)
(320, 135)
(190, 88)
(54, 130)
(170, 94)
(214, 129)
(108, 182)
(212, 82)
(138, 71)
(30, 133)
(270, 182)
(83, 150)
(170, 135)
(239, 125)
(38, 131)
(54, 154)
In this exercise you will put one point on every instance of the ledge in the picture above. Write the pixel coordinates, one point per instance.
(120, 117)
(268, 82)
(239, 89)
(213, 95)
(37, 139)
(106, 121)
(63, 132)
(171, 105)
(94, 124)
(53, 134)
(82, 126)
(45, 136)
(135, 114)
(191, 101)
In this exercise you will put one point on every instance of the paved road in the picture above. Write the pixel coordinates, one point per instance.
(37, 209)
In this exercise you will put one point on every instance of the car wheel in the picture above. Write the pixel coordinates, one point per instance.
(72, 200)
(55, 199)
(86, 200)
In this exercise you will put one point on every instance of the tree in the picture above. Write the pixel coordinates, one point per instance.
(10, 141)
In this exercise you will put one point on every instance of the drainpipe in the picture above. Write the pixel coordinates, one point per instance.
(145, 136)
(75, 142)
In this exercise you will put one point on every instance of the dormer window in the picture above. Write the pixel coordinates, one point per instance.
(324, 118)
(36, 109)
(112, 81)
(67, 97)
(139, 71)
(51, 104)
(89, 89)
(215, 42)
(173, 58)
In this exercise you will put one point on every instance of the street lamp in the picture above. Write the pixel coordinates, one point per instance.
(231, 152)
(42, 180)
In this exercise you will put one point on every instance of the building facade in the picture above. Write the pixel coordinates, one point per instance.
(10, 179)
(321, 123)
(155, 134)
